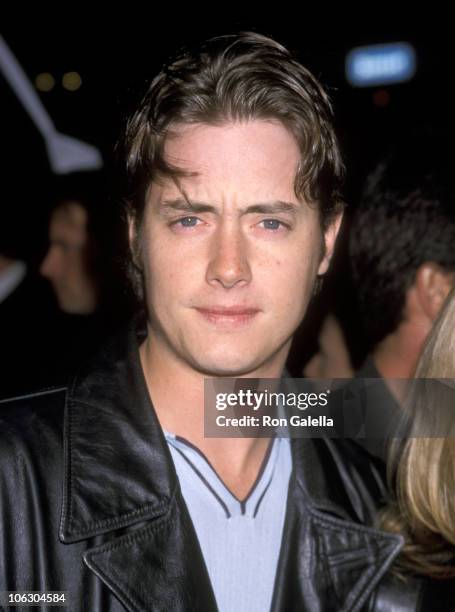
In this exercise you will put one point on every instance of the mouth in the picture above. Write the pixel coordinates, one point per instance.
(228, 316)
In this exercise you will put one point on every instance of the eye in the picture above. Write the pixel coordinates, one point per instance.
(187, 225)
(272, 224)
(188, 221)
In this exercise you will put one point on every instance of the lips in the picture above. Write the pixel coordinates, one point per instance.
(228, 315)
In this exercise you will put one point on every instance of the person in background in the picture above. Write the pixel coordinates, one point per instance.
(403, 267)
(326, 345)
(422, 477)
(327, 350)
(87, 242)
(67, 264)
(401, 246)
(332, 360)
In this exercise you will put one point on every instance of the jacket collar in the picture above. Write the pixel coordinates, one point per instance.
(118, 469)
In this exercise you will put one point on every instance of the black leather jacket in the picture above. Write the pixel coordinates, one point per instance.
(90, 504)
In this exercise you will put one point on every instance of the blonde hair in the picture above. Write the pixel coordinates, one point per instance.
(422, 469)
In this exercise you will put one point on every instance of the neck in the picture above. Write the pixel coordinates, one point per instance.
(177, 393)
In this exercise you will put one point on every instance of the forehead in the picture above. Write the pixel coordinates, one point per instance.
(249, 157)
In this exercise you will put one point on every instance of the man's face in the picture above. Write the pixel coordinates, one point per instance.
(230, 256)
(65, 264)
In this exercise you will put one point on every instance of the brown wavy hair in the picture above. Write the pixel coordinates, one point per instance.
(422, 469)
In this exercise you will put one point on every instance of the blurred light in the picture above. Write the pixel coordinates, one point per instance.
(71, 81)
(381, 64)
(44, 81)
(381, 97)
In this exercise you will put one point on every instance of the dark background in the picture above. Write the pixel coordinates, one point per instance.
(116, 60)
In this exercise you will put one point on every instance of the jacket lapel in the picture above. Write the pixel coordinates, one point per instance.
(156, 567)
(329, 561)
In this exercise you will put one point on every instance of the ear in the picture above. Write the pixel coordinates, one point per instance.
(432, 285)
(330, 236)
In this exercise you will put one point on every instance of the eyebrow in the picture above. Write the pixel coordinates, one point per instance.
(188, 206)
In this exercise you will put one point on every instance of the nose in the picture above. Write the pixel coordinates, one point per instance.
(229, 264)
(50, 265)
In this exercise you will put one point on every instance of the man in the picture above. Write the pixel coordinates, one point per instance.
(66, 261)
(234, 207)
(86, 238)
(403, 261)
(401, 247)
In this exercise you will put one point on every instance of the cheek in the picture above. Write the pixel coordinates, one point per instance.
(74, 267)
(293, 276)
(168, 275)
(290, 274)
(286, 290)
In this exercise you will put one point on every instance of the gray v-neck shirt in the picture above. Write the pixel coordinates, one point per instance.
(240, 540)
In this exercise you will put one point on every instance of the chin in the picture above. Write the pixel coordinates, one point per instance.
(227, 364)
(224, 371)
